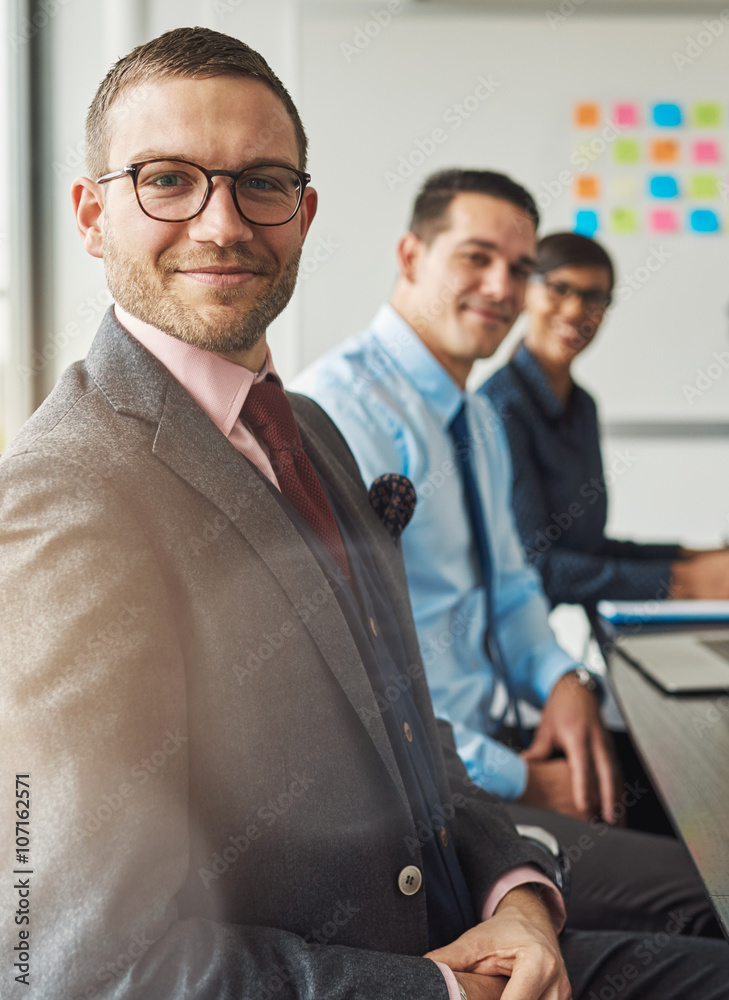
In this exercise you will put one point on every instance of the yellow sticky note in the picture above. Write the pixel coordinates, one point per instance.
(704, 186)
(707, 114)
(624, 220)
(626, 151)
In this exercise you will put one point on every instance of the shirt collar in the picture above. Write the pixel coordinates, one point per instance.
(218, 386)
(410, 355)
(533, 375)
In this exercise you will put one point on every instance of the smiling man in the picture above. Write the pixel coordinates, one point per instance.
(202, 613)
(398, 394)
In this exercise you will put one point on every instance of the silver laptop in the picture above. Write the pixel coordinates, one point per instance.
(681, 662)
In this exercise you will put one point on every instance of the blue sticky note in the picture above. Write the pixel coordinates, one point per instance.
(663, 186)
(586, 223)
(703, 220)
(667, 115)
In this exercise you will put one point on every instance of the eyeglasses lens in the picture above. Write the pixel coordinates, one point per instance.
(171, 191)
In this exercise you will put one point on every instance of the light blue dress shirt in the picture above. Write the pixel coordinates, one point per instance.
(393, 402)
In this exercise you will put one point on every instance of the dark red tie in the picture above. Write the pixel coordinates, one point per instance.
(268, 413)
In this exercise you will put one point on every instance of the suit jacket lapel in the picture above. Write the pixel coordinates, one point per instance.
(190, 444)
(324, 448)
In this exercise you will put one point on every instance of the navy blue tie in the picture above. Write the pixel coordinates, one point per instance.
(464, 455)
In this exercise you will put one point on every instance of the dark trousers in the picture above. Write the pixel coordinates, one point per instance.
(622, 878)
(656, 966)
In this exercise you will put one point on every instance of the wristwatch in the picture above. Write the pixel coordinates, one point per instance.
(462, 992)
(588, 680)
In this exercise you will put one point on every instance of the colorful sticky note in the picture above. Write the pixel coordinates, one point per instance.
(624, 187)
(663, 186)
(663, 220)
(703, 220)
(665, 151)
(626, 151)
(587, 187)
(586, 222)
(667, 115)
(626, 115)
(587, 114)
(706, 151)
(624, 220)
(704, 186)
(708, 114)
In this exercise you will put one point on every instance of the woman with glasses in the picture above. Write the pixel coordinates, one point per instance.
(559, 492)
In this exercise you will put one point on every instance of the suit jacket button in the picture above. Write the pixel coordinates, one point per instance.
(444, 836)
(373, 627)
(408, 732)
(409, 880)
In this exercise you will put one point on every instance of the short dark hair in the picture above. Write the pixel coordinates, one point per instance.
(430, 211)
(572, 249)
(191, 53)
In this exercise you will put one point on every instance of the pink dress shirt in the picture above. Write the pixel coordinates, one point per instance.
(220, 388)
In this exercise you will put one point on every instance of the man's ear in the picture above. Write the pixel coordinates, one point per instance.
(410, 250)
(88, 206)
(309, 204)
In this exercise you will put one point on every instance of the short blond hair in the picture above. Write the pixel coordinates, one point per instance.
(191, 53)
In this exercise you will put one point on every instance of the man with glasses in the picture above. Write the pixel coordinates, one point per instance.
(202, 616)
(398, 394)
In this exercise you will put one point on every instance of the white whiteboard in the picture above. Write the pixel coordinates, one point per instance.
(366, 111)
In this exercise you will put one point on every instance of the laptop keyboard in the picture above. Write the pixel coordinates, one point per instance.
(720, 646)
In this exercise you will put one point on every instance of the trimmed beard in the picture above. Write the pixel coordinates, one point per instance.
(147, 294)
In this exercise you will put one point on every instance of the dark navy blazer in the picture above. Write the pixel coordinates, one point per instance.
(560, 493)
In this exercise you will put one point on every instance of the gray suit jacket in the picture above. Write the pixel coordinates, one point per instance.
(216, 810)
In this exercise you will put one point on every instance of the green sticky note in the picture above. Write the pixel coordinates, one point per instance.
(704, 186)
(626, 151)
(707, 114)
(624, 220)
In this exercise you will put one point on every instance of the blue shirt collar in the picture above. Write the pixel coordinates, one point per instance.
(413, 359)
(537, 382)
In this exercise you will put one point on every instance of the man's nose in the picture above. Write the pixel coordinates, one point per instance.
(496, 281)
(220, 221)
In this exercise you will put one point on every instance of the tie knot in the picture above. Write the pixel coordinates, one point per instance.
(269, 415)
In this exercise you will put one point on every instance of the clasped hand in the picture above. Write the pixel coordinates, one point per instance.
(514, 955)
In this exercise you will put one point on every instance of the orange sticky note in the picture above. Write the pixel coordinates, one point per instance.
(587, 114)
(587, 187)
(664, 151)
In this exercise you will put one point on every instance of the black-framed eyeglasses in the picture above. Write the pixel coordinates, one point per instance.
(594, 300)
(170, 190)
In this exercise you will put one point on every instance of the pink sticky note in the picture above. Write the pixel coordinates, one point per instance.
(625, 114)
(706, 152)
(663, 220)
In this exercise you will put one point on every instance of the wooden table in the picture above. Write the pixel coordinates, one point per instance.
(683, 741)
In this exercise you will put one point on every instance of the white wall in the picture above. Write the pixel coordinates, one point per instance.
(363, 112)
